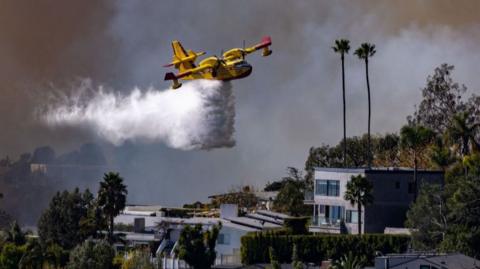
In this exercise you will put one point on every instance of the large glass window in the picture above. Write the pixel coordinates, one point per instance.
(223, 239)
(351, 216)
(336, 213)
(327, 187)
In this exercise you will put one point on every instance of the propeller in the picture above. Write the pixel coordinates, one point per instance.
(243, 50)
(217, 65)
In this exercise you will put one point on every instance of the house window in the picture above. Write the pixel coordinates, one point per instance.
(321, 187)
(336, 213)
(321, 209)
(351, 216)
(223, 239)
(327, 187)
(333, 188)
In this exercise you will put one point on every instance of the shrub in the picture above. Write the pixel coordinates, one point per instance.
(92, 255)
(315, 248)
(296, 225)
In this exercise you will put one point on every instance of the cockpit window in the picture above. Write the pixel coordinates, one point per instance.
(241, 64)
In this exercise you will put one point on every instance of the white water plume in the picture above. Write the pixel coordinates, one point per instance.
(199, 115)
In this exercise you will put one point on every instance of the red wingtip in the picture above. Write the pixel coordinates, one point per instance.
(267, 40)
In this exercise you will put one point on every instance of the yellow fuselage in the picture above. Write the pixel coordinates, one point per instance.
(221, 70)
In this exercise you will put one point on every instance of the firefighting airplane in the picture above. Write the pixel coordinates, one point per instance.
(231, 66)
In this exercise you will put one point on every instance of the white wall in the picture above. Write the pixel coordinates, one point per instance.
(343, 178)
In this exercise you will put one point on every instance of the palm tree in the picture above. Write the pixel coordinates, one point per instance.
(342, 46)
(112, 197)
(348, 261)
(365, 51)
(441, 155)
(463, 131)
(414, 139)
(359, 192)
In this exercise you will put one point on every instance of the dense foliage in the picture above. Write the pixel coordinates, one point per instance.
(62, 222)
(92, 256)
(446, 218)
(315, 248)
(197, 246)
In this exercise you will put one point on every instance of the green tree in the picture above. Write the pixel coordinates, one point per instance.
(293, 174)
(60, 222)
(464, 205)
(414, 139)
(463, 131)
(90, 255)
(428, 218)
(342, 46)
(442, 99)
(364, 52)
(94, 221)
(441, 156)
(11, 255)
(388, 149)
(359, 192)
(112, 196)
(349, 261)
(34, 256)
(244, 197)
(56, 256)
(290, 199)
(197, 247)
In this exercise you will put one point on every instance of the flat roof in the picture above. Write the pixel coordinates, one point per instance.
(375, 170)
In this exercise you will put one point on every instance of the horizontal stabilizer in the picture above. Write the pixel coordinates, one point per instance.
(170, 76)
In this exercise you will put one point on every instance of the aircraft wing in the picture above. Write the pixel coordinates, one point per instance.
(264, 44)
(176, 77)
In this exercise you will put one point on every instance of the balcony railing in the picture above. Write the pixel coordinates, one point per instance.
(323, 221)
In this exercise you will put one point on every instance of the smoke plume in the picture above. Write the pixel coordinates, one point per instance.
(200, 115)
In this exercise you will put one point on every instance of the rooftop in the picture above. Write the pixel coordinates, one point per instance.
(373, 170)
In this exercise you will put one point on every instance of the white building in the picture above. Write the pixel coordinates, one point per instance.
(166, 231)
(393, 191)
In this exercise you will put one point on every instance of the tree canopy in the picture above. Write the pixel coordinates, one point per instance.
(196, 246)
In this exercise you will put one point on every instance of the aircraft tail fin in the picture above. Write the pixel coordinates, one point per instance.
(182, 59)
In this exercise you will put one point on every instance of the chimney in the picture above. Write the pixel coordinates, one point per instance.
(139, 225)
(228, 211)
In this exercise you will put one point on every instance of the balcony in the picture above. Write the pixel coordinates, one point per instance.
(322, 224)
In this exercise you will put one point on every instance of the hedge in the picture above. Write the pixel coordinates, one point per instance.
(315, 248)
(296, 225)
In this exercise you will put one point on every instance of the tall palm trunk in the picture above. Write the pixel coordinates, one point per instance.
(110, 232)
(344, 116)
(415, 183)
(369, 152)
(359, 218)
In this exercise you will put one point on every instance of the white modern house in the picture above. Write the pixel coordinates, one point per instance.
(164, 232)
(393, 191)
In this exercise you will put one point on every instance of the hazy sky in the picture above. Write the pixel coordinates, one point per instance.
(292, 100)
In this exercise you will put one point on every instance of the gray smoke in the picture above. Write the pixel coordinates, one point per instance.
(290, 102)
(199, 115)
